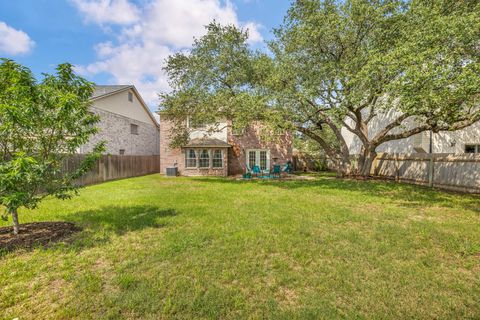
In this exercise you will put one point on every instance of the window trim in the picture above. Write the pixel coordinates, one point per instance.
(208, 158)
(257, 158)
(213, 159)
(476, 148)
(187, 153)
(132, 126)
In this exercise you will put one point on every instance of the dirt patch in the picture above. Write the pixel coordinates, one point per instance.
(35, 234)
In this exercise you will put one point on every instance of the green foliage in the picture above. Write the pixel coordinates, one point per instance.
(41, 124)
(341, 64)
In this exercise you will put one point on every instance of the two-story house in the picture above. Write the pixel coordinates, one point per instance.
(222, 152)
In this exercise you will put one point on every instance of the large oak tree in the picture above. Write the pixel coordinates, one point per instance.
(340, 64)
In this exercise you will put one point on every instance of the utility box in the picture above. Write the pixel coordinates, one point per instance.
(172, 172)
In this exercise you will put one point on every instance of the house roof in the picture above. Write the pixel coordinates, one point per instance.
(102, 91)
(206, 143)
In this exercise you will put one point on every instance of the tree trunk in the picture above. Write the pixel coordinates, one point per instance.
(16, 225)
(365, 162)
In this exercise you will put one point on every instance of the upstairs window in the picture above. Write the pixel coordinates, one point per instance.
(133, 129)
(194, 123)
(217, 159)
(472, 148)
(130, 96)
(121, 152)
(204, 159)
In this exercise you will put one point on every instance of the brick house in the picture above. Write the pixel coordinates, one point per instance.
(126, 123)
(223, 152)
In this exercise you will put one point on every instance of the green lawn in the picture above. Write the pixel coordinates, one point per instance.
(208, 248)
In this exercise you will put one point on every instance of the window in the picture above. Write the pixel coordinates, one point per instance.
(130, 96)
(121, 152)
(263, 160)
(472, 148)
(133, 128)
(217, 159)
(252, 159)
(260, 158)
(190, 159)
(204, 159)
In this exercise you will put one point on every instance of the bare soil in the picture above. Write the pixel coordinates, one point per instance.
(35, 234)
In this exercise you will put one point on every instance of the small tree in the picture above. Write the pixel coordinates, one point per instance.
(41, 124)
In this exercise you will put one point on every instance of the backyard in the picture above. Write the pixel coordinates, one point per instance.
(209, 248)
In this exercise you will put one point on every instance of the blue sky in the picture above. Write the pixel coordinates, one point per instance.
(122, 41)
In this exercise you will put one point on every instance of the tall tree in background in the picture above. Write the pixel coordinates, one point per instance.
(41, 124)
(338, 66)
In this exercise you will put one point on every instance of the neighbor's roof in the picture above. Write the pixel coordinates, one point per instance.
(207, 143)
(103, 90)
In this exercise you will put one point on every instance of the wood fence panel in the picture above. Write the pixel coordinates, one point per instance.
(453, 172)
(112, 167)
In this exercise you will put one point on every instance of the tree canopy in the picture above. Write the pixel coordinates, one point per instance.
(337, 66)
(41, 124)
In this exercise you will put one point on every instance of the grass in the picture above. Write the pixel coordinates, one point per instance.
(212, 248)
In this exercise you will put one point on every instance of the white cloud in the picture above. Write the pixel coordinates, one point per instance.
(137, 54)
(108, 11)
(14, 41)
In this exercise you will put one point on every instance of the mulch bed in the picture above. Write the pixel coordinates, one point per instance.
(35, 234)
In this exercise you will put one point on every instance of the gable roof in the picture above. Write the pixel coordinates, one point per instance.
(103, 91)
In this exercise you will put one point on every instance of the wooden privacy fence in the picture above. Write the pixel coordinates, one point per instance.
(112, 167)
(447, 171)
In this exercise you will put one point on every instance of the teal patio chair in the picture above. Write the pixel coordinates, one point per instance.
(288, 168)
(256, 171)
(276, 171)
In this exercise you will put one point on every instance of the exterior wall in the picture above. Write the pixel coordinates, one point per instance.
(114, 129)
(118, 103)
(221, 134)
(234, 158)
(443, 142)
(280, 148)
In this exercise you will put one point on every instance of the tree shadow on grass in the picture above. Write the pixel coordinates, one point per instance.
(100, 224)
(406, 195)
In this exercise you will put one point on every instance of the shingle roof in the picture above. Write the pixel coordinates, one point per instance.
(207, 143)
(108, 89)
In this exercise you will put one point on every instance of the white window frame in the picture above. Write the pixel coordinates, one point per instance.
(257, 157)
(134, 129)
(187, 154)
(221, 158)
(200, 158)
(476, 146)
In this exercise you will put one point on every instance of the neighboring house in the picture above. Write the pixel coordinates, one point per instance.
(462, 141)
(126, 124)
(222, 152)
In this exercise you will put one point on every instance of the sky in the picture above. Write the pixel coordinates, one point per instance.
(122, 41)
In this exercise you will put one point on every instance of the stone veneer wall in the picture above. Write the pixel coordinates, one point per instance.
(280, 147)
(114, 129)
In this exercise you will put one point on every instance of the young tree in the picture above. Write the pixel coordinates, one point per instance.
(342, 65)
(41, 124)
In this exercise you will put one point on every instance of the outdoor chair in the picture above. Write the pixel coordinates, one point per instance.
(288, 168)
(256, 171)
(276, 171)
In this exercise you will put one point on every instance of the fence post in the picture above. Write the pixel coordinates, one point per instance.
(430, 171)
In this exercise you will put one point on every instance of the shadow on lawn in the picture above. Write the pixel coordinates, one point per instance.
(98, 225)
(406, 195)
